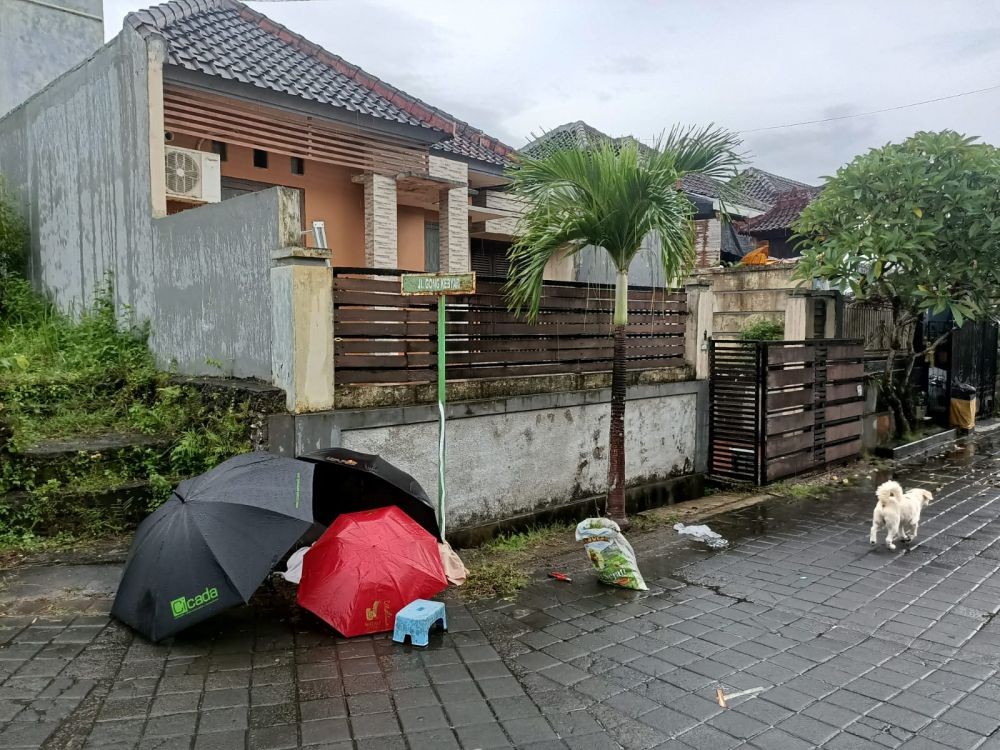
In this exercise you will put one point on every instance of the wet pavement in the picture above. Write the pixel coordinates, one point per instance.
(842, 644)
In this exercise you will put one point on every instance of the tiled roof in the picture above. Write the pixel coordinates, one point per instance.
(581, 135)
(226, 39)
(765, 186)
(571, 135)
(724, 191)
(783, 214)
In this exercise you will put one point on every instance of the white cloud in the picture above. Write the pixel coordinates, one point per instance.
(633, 66)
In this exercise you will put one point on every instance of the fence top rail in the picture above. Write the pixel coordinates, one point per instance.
(367, 271)
(806, 342)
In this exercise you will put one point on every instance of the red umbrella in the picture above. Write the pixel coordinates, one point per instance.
(366, 567)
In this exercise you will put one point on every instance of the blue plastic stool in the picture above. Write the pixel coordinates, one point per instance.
(416, 620)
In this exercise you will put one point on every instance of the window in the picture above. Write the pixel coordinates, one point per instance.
(432, 247)
(489, 257)
(260, 158)
(218, 147)
(298, 165)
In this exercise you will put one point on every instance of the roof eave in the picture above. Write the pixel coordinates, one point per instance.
(476, 164)
(256, 94)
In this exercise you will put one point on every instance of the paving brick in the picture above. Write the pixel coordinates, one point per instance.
(708, 738)
(668, 721)
(526, 730)
(775, 739)
(485, 736)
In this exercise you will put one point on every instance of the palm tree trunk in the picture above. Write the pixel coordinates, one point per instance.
(616, 438)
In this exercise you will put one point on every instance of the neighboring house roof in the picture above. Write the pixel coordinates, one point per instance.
(710, 187)
(228, 40)
(581, 135)
(783, 214)
(766, 186)
(575, 135)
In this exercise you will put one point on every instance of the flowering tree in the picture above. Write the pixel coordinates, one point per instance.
(914, 226)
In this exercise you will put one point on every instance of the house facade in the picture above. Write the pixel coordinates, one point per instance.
(153, 162)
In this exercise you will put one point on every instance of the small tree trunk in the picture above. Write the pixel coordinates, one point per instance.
(616, 438)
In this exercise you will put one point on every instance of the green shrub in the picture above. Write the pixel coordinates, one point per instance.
(762, 329)
(13, 235)
(65, 378)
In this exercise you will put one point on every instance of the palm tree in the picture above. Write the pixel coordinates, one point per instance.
(612, 196)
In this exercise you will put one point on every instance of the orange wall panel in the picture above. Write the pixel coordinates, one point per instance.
(331, 197)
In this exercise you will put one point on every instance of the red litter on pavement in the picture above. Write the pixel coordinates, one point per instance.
(366, 567)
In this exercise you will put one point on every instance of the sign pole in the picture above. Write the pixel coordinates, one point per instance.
(441, 402)
(440, 285)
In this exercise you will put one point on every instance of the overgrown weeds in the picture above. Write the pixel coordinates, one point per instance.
(62, 377)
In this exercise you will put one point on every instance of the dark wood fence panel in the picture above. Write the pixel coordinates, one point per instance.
(735, 419)
(799, 406)
(383, 336)
(823, 425)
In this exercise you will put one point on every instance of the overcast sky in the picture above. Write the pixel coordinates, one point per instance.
(517, 67)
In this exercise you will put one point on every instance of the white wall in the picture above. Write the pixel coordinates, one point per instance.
(513, 456)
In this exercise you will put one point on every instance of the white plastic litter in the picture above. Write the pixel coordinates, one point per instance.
(293, 574)
(702, 534)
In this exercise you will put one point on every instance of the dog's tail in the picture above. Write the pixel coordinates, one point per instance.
(888, 492)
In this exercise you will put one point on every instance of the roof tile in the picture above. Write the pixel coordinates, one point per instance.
(785, 212)
(226, 39)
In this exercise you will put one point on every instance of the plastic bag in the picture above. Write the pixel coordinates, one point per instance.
(454, 569)
(702, 534)
(293, 569)
(610, 553)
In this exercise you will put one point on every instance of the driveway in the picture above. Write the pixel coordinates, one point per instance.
(839, 644)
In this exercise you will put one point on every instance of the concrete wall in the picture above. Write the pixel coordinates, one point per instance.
(746, 293)
(212, 285)
(514, 456)
(38, 43)
(78, 158)
(593, 265)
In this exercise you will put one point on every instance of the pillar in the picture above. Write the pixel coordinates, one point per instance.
(796, 317)
(302, 328)
(454, 224)
(700, 319)
(381, 231)
(453, 213)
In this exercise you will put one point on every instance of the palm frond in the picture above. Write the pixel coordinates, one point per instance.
(611, 196)
(708, 150)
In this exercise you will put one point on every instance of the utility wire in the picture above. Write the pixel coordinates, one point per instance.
(872, 112)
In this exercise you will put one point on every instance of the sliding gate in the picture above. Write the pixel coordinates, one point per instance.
(780, 408)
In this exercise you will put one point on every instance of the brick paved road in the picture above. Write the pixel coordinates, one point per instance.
(853, 647)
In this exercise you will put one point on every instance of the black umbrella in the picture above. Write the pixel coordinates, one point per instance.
(347, 481)
(213, 542)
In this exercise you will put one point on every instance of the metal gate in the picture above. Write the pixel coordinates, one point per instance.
(969, 356)
(974, 361)
(780, 408)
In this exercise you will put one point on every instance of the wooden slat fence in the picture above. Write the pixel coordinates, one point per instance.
(382, 336)
(782, 408)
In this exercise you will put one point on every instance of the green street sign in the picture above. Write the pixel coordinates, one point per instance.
(438, 283)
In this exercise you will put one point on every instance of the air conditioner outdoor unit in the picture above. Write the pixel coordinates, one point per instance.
(193, 176)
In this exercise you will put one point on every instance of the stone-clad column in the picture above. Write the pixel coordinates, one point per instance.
(381, 232)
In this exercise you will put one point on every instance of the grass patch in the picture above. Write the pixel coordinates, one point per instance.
(530, 538)
(653, 520)
(497, 579)
(797, 490)
(501, 567)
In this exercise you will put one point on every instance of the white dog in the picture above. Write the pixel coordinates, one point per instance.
(898, 512)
